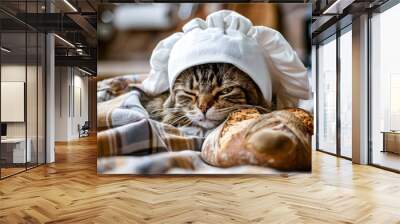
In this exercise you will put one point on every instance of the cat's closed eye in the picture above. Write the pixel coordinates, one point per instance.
(189, 93)
(215, 88)
(185, 96)
(226, 90)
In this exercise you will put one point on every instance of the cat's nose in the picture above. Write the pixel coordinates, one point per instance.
(204, 107)
(204, 103)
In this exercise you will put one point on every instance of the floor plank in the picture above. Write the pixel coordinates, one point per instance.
(69, 191)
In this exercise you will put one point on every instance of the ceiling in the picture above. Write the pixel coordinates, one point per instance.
(74, 22)
(332, 15)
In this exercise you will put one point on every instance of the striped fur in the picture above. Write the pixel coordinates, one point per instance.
(204, 95)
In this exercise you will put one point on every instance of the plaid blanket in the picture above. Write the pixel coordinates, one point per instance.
(129, 142)
(110, 88)
(127, 136)
(126, 129)
(184, 162)
(144, 137)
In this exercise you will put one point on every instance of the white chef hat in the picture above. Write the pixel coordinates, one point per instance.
(228, 37)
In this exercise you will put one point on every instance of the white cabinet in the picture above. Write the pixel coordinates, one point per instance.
(16, 148)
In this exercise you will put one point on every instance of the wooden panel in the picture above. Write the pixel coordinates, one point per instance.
(92, 103)
(392, 142)
(70, 191)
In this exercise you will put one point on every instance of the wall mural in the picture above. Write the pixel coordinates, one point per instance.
(204, 89)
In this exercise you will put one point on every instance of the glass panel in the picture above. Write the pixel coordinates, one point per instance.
(327, 97)
(314, 90)
(41, 99)
(31, 88)
(23, 90)
(385, 84)
(31, 100)
(13, 85)
(346, 94)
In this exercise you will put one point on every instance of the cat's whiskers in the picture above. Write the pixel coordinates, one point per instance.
(205, 82)
(165, 111)
(177, 119)
(225, 109)
(186, 123)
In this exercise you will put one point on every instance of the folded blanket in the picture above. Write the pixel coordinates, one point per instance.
(126, 129)
(123, 109)
(184, 162)
(129, 142)
(108, 89)
(146, 136)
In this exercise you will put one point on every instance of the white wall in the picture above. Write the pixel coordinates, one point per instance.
(10, 73)
(61, 103)
(80, 102)
(70, 84)
(33, 126)
(16, 73)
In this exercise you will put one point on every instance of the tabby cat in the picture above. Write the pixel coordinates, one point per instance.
(204, 95)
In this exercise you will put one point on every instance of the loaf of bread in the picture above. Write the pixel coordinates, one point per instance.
(236, 123)
(280, 139)
(305, 117)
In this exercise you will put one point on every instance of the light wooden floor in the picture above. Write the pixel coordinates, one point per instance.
(386, 159)
(70, 191)
(5, 172)
(10, 171)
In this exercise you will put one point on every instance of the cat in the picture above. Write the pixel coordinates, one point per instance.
(204, 95)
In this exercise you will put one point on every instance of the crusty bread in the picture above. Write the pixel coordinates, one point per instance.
(305, 117)
(237, 122)
(280, 139)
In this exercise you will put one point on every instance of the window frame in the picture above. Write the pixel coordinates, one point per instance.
(27, 29)
(334, 37)
(378, 10)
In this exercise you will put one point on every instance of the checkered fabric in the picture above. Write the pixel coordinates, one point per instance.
(126, 129)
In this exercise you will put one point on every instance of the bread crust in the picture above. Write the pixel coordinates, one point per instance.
(280, 139)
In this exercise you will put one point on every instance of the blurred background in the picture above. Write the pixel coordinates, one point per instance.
(127, 33)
